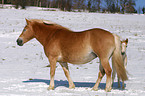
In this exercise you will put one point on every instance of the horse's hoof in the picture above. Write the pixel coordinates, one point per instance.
(108, 89)
(95, 89)
(72, 87)
(50, 88)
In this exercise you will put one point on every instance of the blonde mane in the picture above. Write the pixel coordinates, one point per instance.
(48, 22)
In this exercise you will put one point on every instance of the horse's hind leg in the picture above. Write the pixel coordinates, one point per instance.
(66, 71)
(123, 85)
(100, 76)
(119, 82)
(113, 74)
(119, 86)
(108, 70)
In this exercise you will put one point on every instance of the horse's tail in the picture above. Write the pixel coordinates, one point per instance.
(117, 59)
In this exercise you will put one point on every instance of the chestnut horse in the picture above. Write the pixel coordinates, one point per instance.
(63, 45)
(123, 52)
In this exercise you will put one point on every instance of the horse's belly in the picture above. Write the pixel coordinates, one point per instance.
(79, 58)
(86, 59)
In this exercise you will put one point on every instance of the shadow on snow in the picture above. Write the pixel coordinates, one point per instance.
(77, 84)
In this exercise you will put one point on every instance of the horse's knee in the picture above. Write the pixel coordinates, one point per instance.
(52, 67)
(52, 70)
(108, 71)
(52, 74)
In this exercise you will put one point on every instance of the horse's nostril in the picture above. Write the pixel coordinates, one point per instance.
(122, 53)
(20, 41)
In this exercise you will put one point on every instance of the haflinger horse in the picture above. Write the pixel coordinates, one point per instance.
(65, 46)
(123, 52)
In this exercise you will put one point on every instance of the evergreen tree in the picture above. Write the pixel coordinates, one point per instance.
(143, 10)
(89, 5)
(130, 6)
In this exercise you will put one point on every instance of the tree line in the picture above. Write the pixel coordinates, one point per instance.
(111, 6)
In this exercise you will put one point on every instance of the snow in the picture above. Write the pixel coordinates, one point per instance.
(18, 65)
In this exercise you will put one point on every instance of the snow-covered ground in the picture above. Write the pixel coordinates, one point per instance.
(20, 64)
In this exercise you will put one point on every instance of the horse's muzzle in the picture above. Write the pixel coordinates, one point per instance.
(20, 42)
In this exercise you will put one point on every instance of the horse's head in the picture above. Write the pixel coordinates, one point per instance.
(39, 29)
(27, 34)
(124, 46)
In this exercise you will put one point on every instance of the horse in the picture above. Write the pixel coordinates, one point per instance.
(123, 53)
(66, 46)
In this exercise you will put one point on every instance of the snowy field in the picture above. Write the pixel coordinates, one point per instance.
(18, 65)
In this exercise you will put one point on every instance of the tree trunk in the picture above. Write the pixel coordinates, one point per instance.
(2, 3)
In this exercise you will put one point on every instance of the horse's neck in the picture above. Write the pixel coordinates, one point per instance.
(43, 35)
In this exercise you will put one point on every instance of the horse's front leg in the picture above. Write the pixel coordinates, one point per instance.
(52, 62)
(66, 71)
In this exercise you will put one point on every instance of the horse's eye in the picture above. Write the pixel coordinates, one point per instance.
(24, 30)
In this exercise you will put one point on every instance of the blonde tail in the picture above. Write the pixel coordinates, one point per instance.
(117, 60)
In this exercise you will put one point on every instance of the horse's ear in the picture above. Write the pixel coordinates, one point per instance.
(126, 40)
(48, 22)
(28, 22)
